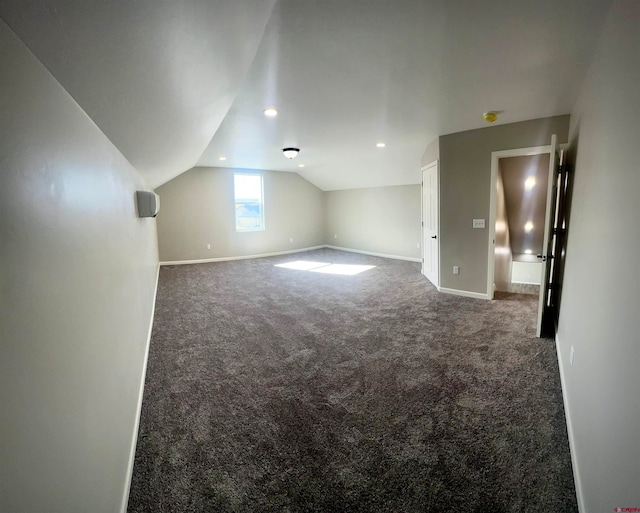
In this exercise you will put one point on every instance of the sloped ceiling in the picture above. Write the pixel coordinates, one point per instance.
(175, 84)
(525, 205)
(157, 76)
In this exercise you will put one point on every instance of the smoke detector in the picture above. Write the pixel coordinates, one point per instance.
(490, 117)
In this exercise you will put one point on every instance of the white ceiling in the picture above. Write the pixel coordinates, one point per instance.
(175, 84)
(157, 76)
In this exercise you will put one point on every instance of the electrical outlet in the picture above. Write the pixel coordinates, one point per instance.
(456, 269)
(571, 355)
(208, 246)
(478, 223)
(291, 239)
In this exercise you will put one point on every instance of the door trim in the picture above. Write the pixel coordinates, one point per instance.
(435, 163)
(495, 157)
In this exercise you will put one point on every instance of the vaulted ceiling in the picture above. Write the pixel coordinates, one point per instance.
(179, 84)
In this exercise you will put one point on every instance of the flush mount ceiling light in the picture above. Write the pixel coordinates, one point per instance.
(529, 183)
(490, 117)
(291, 153)
(222, 158)
(270, 112)
(300, 165)
(380, 145)
(528, 227)
(528, 251)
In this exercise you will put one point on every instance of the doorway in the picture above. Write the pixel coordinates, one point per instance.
(521, 200)
(523, 186)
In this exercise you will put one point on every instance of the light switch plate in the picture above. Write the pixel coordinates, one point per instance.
(478, 223)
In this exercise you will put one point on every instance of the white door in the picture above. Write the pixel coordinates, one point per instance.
(430, 225)
(548, 227)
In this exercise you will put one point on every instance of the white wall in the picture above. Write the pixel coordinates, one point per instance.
(599, 312)
(384, 220)
(526, 272)
(77, 279)
(431, 153)
(198, 208)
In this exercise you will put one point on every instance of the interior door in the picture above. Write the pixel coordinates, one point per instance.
(557, 244)
(546, 256)
(430, 224)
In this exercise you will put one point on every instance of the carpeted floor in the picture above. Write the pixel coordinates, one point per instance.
(278, 390)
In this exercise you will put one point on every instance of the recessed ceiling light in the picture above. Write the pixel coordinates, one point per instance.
(300, 165)
(529, 183)
(528, 251)
(528, 227)
(222, 158)
(270, 112)
(381, 145)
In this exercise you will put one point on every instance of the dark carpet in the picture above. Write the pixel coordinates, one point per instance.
(277, 390)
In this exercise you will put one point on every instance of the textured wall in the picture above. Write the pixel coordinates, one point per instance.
(600, 301)
(465, 178)
(197, 208)
(77, 279)
(380, 220)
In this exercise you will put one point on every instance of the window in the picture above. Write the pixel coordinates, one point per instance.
(248, 195)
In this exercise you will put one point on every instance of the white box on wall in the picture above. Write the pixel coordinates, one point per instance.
(148, 203)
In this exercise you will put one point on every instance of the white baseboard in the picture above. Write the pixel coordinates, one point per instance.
(465, 293)
(572, 445)
(383, 255)
(244, 257)
(134, 439)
